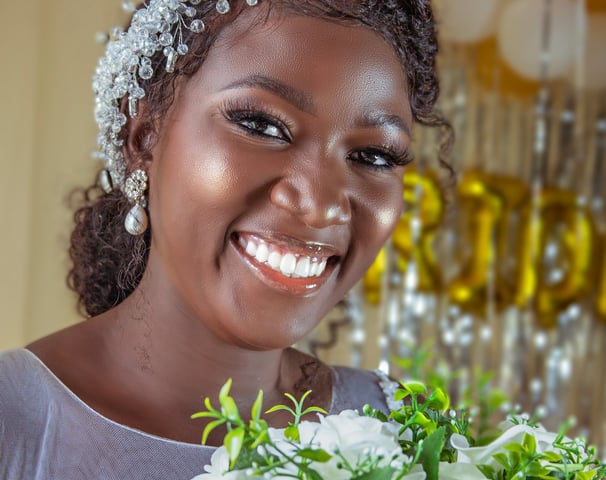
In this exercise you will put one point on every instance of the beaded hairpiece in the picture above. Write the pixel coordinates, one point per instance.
(157, 26)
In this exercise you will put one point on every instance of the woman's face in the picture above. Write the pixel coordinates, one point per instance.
(277, 176)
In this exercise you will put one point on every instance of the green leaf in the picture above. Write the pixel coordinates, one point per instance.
(502, 459)
(439, 400)
(420, 419)
(373, 412)
(530, 442)
(430, 453)
(311, 474)
(292, 433)
(209, 428)
(415, 388)
(257, 426)
(233, 443)
(204, 415)
(399, 417)
(314, 409)
(255, 412)
(495, 399)
(277, 408)
(263, 437)
(515, 448)
(487, 470)
(209, 405)
(294, 400)
(230, 409)
(552, 457)
(224, 392)
(400, 394)
(314, 454)
(586, 475)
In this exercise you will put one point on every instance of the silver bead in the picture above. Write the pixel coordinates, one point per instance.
(105, 181)
(133, 106)
(171, 60)
(197, 25)
(222, 6)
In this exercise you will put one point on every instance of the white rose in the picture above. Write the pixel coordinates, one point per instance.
(356, 438)
(514, 434)
(219, 464)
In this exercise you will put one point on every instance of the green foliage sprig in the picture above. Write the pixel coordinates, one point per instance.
(424, 427)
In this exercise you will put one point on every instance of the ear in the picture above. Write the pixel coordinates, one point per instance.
(139, 137)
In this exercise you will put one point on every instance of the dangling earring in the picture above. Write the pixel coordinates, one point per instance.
(136, 221)
(105, 181)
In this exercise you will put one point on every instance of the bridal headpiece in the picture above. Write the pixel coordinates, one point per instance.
(158, 25)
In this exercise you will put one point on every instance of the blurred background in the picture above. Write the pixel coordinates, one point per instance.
(496, 286)
(495, 282)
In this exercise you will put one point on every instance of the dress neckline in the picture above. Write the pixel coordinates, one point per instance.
(56, 381)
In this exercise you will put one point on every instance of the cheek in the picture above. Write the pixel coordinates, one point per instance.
(384, 211)
(377, 216)
(191, 175)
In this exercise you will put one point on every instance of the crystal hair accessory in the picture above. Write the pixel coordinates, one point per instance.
(158, 25)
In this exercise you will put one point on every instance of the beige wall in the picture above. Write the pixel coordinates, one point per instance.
(47, 56)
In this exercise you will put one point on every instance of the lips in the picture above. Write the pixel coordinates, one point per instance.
(287, 263)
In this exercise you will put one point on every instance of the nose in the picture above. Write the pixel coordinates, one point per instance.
(315, 193)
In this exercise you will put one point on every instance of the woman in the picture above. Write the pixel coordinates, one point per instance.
(256, 155)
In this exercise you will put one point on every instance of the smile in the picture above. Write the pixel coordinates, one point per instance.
(289, 262)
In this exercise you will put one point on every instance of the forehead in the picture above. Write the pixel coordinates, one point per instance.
(343, 63)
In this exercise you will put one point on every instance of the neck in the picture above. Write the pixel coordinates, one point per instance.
(164, 360)
(184, 356)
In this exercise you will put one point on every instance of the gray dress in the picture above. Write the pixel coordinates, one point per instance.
(47, 433)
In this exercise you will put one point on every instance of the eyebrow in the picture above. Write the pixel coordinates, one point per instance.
(292, 95)
(382, 120)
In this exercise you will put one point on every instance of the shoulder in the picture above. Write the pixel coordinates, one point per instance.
(24, 402)
(47, 433)
(23, 394)
(353, 388)
(20, 377)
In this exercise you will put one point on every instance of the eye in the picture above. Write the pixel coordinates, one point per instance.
(380, 158)
(258, 125)
(257, 122)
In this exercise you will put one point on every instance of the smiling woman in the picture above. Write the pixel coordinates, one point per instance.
(253, 161)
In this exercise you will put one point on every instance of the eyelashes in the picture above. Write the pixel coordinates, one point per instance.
(382, 158)
(261, 121)
(256, 120)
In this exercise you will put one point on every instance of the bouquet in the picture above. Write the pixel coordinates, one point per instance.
(423, 439)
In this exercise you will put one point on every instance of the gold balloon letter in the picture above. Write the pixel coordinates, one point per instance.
(486, 203)
(555, 259)
(413, 236)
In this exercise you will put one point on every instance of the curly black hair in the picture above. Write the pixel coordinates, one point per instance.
(107, 262)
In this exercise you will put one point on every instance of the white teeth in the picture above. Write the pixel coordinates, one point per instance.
(262, 253)
(288, 264)
(321, 268)
(274, 260)
(251, 249)
(302, 268)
